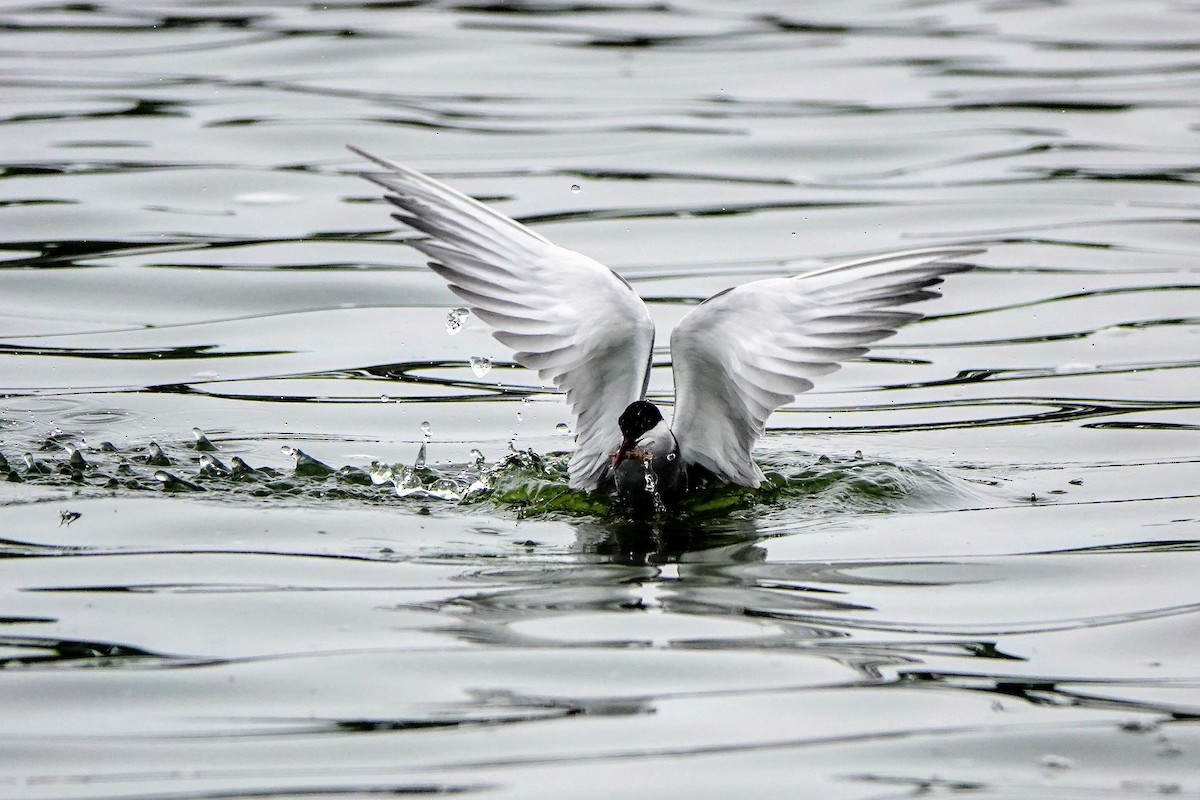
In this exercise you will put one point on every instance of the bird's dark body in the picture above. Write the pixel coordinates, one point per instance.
(648, 470)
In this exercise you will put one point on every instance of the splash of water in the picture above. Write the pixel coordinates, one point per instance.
(528, 483)
(480, 365)
(652, 485)
(456, 319)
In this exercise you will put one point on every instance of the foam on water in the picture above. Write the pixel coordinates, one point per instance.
(523, 482)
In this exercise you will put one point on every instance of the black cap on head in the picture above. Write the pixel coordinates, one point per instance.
(638, 418)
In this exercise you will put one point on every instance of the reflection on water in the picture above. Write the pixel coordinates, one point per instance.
(972, 570)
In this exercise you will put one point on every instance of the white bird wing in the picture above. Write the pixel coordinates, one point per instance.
(570, 318)
(745, 352)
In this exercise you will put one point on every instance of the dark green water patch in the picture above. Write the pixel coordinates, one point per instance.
(523, 482)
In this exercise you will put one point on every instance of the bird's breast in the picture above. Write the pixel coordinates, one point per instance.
(650, 475)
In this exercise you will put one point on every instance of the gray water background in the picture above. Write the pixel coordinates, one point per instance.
(990, 588)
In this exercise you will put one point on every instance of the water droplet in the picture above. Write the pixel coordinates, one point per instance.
(74, 457)
(174, 483)
(425, 429)
(383, 398)
(477, 457)
(1052, 761)
(307, 466)
(670, 456)
(240, 467)
(520, 416)
(211, 465)
(456, 319)
(858, 456)
(480, 365)
(562, 428)
(202, 442)
(36, 466)
(575, 188)
(157, 457)
(380, 473)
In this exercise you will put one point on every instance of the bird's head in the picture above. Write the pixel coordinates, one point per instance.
(638, 418)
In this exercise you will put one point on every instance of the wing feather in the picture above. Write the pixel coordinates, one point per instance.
(732, 369)
(572, 319)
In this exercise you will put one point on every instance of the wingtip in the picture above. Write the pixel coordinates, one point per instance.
(393, 172)
(383, 162)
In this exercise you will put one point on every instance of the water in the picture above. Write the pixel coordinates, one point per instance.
(974, 569)
(480, 365)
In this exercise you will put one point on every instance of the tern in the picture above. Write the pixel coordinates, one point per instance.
(736, 357)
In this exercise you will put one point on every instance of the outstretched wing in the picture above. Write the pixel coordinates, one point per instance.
(574, 320)
(743, 353)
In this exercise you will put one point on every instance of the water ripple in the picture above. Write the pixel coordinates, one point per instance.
(971, 569)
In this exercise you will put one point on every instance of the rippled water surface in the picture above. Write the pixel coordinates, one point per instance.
(975, 570)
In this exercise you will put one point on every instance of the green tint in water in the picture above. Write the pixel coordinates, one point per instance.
(524, 482)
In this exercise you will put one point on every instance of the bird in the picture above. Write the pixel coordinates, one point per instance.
(736, 357)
